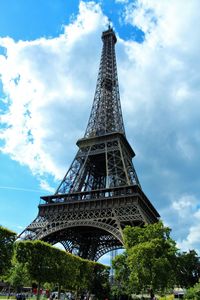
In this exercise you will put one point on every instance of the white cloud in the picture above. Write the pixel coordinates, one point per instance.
(160, 89)
(49, 85)
(197, 214)
(45, 186)
(121, 1)
(183, 217)
(185, 205)
(191, 241)
(45, 87)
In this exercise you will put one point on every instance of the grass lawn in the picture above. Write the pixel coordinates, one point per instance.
(168, 297)
(13, 297)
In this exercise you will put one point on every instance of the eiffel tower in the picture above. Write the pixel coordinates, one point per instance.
(100, 194)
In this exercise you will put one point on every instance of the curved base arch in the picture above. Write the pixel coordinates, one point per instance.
(89, 240)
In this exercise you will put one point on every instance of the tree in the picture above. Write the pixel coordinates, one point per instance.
(18, 276)
(65, 269)
(121, 278)
(7, 239)
(47, 264)
(187, 269)
(149, 258)
(39, 260)
(99, 280)
(83, 275)
(193, 292)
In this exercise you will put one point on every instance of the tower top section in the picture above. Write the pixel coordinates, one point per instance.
(106, 34)
(106, 115)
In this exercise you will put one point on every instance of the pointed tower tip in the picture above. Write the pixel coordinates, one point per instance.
(109, 32)
(109, 24)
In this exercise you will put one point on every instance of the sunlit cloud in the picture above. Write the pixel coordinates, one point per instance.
(49, 84)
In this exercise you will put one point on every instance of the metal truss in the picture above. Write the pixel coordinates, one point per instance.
(102, 162)
(100, 194)
(92, 227)
(106, 115)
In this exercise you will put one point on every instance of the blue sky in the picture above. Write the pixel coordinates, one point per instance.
(49, 59)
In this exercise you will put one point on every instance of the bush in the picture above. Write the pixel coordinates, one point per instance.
(193, 292)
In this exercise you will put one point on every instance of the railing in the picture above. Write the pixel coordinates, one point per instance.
(88, 195)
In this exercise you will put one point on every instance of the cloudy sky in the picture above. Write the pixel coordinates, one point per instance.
(49, 58)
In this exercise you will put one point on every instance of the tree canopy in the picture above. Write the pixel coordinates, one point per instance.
(187, 268)
(151, 255)
(149, 258)
(47, 264)
(7, 239)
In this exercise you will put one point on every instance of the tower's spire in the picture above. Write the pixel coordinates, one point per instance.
(106, 115)
(109, 23)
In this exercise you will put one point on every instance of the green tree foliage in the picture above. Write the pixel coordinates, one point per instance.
(122, 273)
(7, 239)
(99, 280)
(92, 277)
(187, 269)
(18, 276)
(83, 275)
(65, 269)
(46, 264)
(149, 259)
(151, 256)
(193, 292)
(39, 260)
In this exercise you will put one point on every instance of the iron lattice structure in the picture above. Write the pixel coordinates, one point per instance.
(100, 194)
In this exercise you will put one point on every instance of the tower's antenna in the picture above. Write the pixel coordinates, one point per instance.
(109, 23)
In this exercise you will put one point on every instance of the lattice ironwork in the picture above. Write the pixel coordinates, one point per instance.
(100, 194)
(101, 162)
(106, 115)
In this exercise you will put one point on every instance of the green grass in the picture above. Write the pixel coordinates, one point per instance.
(13, 297)
(168, 297)
(5, 297)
